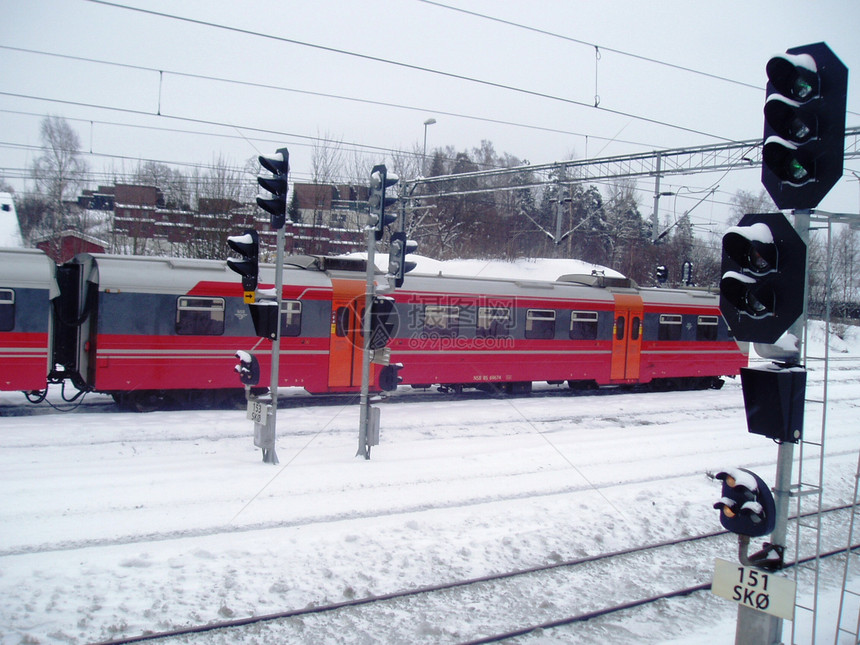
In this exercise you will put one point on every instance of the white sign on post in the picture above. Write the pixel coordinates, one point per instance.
(754, 588)
(256, 410)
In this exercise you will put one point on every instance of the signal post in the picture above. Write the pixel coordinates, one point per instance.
(380, 320)
(265, 308)
(763, 294)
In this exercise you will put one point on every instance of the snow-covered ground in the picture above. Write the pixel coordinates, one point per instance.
(113, 524)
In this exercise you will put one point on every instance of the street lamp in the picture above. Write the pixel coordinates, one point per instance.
(428, 122)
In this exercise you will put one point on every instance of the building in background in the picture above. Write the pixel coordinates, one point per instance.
(135, 219)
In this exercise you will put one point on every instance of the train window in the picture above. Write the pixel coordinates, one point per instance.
(441, 320)
(540, 323)
(7, 309)
(619, 327)
(635, 328)
(291, 318)
(493, 322)
(200, 316)
(670, 327)
(706, 327)
(583, 325)
(341, 322)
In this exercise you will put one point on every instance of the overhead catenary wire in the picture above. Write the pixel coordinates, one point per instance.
(360, 55)
(327, 95)
(356, 146)
(597, 48)
(405, 65)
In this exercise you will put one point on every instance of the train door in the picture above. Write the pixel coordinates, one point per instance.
(74, 320)
(626, 338)
(345, 349)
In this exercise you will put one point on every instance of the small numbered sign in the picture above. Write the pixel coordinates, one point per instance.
(257, 412)
(754, 588)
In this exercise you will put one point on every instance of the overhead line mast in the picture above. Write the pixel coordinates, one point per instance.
(674, 161)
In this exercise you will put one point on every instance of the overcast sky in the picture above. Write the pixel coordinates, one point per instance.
(323, 49)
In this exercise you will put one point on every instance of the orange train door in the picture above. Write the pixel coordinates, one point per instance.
(344, 369)
(626, 338)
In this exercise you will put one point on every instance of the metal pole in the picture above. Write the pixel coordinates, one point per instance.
(559, 213)
(364, 407)
(755, 627)
(427, 123)
(655, 223)
(270, 456)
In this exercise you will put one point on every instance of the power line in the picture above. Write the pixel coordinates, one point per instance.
(597, 47)
(553, 34)
(190, 120)
(328, 95)
(404, 65)
(314, 142)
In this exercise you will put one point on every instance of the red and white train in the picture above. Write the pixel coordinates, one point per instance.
(155, 332)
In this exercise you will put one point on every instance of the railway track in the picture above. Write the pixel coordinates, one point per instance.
(629, 578)
(16, 405)
(143, 504)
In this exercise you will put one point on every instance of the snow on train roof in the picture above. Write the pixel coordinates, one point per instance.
(537, 269)
(29, 268)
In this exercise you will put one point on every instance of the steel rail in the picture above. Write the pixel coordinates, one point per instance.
(358, 602)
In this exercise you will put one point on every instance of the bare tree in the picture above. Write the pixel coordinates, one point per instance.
(60, 172)
(172, 183)
(744, 202)
(221, 189)
(327, 159)
(357, 168)
(845, 259)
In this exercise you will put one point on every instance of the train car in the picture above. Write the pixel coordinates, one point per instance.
(27, 287)
(155, 332)
(588, 330)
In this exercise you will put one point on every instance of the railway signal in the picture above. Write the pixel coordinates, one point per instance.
(248, 368)
(804, 125)
(263, 311)
(279, 165)
(378, 203)
(384, 321)
(746, 504)
(389, 377)
(687, 273)
(248, 246)
(398, 249)
(774, 400)
(763, 269)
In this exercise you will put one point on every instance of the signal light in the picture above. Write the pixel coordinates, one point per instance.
(389, 378)
(248, 246)
(804, 125)
(279, 166)
(763, 270)
(384, 321)
(687, 273)
(398, 265)
(378, 203)
(248, 368)
(662, 274)
(264, 315)
(774, 399)
(746, 505)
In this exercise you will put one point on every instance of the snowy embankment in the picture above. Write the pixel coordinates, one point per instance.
(116, 524)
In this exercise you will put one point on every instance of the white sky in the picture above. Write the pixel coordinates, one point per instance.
(729, 39)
